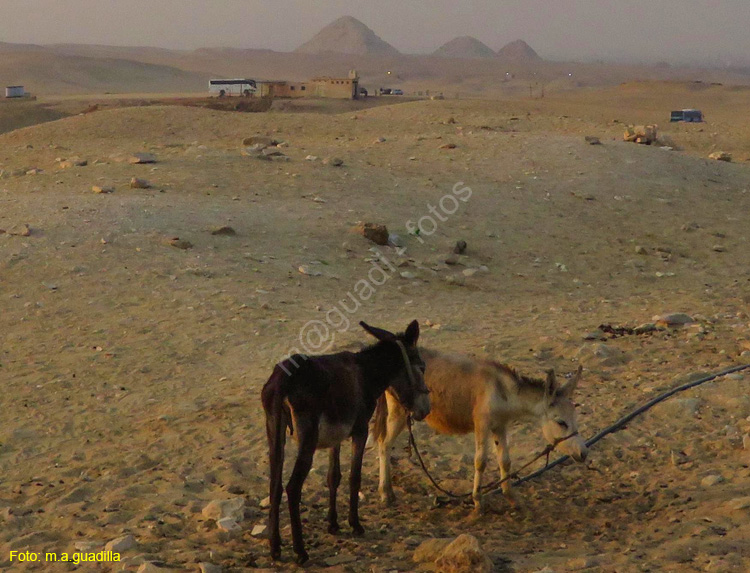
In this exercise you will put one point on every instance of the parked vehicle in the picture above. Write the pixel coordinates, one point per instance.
(398, 92)
(223, 88)
(385, 91)
(687, 115)
(362, 92)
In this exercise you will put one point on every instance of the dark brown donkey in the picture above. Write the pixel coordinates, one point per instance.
(326, 399)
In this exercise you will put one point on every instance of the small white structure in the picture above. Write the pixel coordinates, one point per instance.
(15, 91)
(242, 87)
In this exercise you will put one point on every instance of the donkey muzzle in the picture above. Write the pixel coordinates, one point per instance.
(421, 408)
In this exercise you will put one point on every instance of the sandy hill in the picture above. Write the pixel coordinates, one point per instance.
(45, 71)
(347, 35)
(465, 47)
(518, 51)
(131, 369)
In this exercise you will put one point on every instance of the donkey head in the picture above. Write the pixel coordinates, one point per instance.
(408, 383)
(559, 419)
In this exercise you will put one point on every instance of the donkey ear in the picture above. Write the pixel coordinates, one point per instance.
(569, 387)
(550, 384)
(378, 333)
(412, 333)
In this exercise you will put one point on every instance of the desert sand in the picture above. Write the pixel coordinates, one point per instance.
(131, 368)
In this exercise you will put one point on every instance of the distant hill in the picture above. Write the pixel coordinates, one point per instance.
(465, 47)
(519, 51)
(44, 71)
(347, 35)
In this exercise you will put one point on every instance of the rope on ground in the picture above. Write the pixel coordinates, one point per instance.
(637, 412)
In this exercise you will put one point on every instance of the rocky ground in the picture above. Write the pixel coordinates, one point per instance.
(135, 341)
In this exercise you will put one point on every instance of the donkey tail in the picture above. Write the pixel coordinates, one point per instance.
(273, 395)
(380, 418)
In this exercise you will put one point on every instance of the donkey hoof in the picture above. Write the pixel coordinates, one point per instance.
(302, 558)
(358, 530)
(388, 499)
(275, 554)
(333, 528)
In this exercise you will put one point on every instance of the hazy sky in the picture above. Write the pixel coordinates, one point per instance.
(649, 30)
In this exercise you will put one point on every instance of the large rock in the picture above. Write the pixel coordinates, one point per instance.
(121, 544)
(720, 156)
(430, 549)
(673, 319)
(464, 555)
(378, 234)
(645, 134)
(137, 158)
(219, 509)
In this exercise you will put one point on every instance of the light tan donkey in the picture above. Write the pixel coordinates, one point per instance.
(484, 397)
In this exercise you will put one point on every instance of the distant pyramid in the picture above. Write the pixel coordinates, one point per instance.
(519, 51)
(464, 47)
(347, 35)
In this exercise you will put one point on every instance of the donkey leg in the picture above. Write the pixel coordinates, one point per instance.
(276, 455)
(307, 436)
(396, 424)
(355, 481)
(503, 460)
(482, 444)
(334, 479)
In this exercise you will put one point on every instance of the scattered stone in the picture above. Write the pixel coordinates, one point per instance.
(68, 163)
(210, 568)
(581, 563)
(464, 555)
(448, 146)
(20, 230)
(269, 152)
(254, 151)
(645, 134)
(395, 240)
(259, 531)
(592, 140)
(457, 280)
(228, 524)
(690, 227)
(34, 171)
(138, 158)
(639, 250)
(136, 183)
(452, 259)
(430, 549)
(470, 272)
(224, 231)
(378, 234)
(380, 140)
(408, 275)
(334, 161)
(719, 248)
(233, 508)
(678, 458)
(340, 559)
(307, 270)
(121, 544)
(746, 442)
(720, 156)
(739, 503)
(259, 140)
(645, 328)
(711, 480)
(151, 567)
(674, 319)
(311, 158)
(180, 243)
(87, 546)
(99, 189)
(597, 334)
(460, 247)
